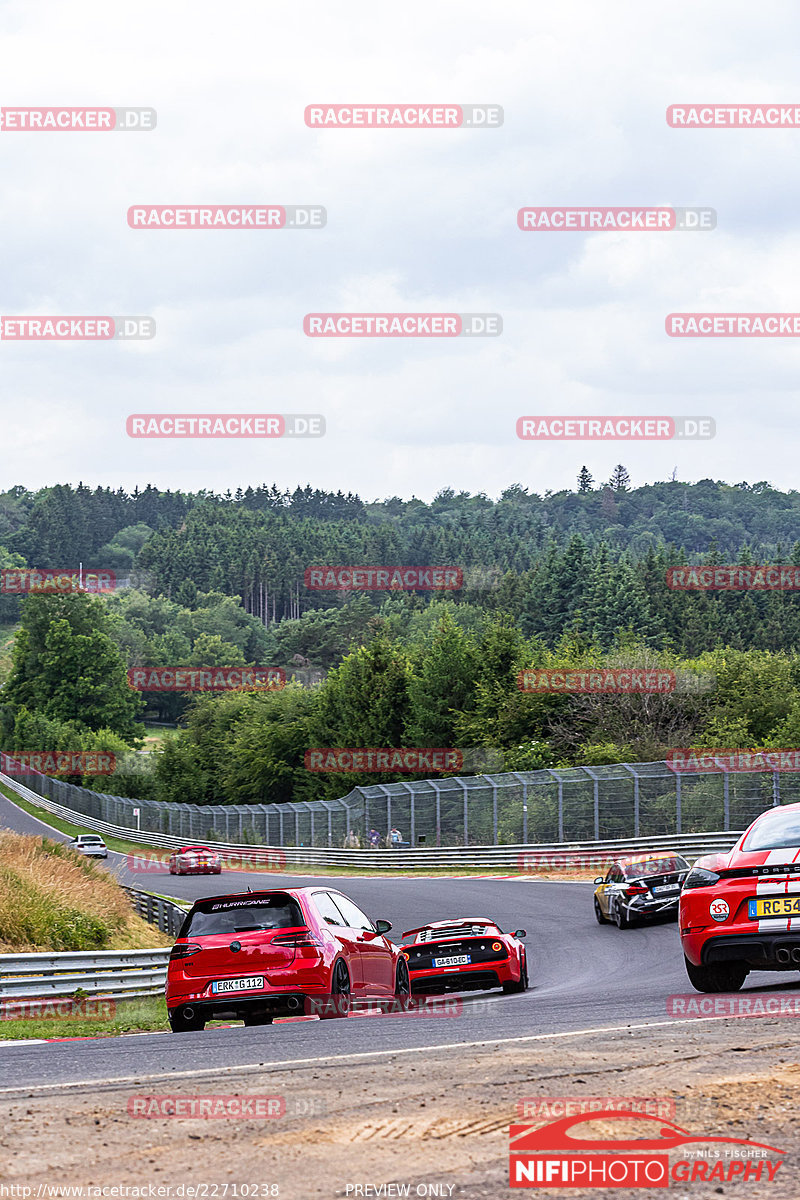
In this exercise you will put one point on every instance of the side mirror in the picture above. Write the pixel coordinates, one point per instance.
(599, 879)
(383, 926)
(520, 933)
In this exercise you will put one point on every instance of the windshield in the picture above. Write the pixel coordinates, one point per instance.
(665, 865)
(774, 831)
(241, 916)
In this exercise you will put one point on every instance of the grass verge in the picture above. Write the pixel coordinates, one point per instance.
(147, 1015)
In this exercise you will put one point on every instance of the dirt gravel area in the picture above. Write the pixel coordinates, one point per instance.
(435, 1121)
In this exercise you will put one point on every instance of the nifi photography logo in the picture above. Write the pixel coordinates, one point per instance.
(560, 1155)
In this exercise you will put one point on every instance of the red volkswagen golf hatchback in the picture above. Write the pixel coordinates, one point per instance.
(254, 956)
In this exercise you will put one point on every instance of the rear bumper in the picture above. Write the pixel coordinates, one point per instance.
(273, 1004)
(779, 951)
(474, 977)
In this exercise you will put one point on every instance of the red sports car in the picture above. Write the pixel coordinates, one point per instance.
(466, 954)
(254, 956)
(740, 911)
(195, 860)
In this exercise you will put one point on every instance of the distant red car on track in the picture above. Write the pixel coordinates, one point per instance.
(195, 860)
(466, 954)
(254, 956)
(740, 911)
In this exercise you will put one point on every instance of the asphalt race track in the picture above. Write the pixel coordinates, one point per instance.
(583, 977)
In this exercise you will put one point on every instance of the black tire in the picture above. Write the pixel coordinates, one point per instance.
(511, 989)
(181, 1024)
(598, 913)
(402, 987)
(622, 919)
(257, 1019)
(339, 1003)
(716, 977)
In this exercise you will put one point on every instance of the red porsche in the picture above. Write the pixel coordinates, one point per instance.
(254, 956)
(740, 911)
(467, 954)
(195, 860)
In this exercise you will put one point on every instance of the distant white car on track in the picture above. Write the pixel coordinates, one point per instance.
(90, 844)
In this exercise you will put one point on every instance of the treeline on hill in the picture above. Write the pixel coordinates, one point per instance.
(593, 560)
(435, 675)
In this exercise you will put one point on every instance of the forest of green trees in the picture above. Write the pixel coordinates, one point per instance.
(572, 578)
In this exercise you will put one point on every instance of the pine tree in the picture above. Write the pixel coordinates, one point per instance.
(585, 480)
(620, 480)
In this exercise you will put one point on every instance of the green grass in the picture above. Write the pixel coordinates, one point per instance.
(147, 1015)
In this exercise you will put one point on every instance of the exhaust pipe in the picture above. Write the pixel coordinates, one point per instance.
(293, 1002)
(188, 1012)
(796, 954)
(782, 955)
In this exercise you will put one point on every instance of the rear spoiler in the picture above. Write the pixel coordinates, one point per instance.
(456, 921)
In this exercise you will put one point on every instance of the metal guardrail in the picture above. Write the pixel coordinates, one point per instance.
(110, 974)
(157, 910)
(517, 857)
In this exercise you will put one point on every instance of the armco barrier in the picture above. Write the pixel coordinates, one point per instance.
(517, 858)
(156, 910)
(110, 974)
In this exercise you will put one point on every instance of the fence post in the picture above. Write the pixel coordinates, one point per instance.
(494, 811)
(330, 828)
(435, 787)
(524, 783)
(632, 770)
(466, 831)
(678, 814)
(776, 788)
(726, 800)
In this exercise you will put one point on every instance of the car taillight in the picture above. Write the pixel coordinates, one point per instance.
(700, 877)
(497, 945)
(298, 940)
(184, 951)
(636, 889)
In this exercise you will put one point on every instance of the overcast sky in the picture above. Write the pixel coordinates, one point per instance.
(418, 220)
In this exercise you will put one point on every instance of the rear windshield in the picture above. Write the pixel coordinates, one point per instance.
(84, 840)
(666, 865)
(774, 831)
(239, 916)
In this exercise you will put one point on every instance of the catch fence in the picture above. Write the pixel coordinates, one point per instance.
(575, 804)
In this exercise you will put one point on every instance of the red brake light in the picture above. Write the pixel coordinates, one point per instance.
(184, 951)
(303, 937)
(636, 890)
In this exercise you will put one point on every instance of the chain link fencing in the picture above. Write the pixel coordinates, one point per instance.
(513, 808)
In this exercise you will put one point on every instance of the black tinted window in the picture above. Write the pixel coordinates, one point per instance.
(237, 916)
(774, 831)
